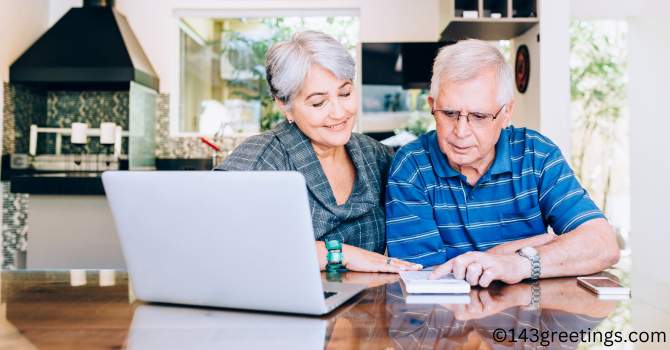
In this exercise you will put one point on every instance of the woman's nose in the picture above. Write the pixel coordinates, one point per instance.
(337, 109)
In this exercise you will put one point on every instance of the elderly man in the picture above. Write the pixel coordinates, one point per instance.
(476, 195)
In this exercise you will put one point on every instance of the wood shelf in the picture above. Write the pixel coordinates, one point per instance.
(485, 27)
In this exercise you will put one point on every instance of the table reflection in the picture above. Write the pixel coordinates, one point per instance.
(174, 327)
(46, 310)
(558, 305)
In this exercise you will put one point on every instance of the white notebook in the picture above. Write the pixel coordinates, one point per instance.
(434, 298)
(417, 282)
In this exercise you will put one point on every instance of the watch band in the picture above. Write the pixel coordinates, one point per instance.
(535, 267)
(536, 294)
(532, 255)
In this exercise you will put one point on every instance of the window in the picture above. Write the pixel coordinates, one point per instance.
(222, 73)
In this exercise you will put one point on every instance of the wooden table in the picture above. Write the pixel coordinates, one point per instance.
(96, 310)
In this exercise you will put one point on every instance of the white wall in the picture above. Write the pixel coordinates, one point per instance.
(649, 73)
(21, 23)
(555, 72)
(527, 105)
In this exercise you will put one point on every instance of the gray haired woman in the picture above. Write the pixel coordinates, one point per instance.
(311, 77)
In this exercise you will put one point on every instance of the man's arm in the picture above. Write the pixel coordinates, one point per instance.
(590, 248)
(586, 242)
(514, 246)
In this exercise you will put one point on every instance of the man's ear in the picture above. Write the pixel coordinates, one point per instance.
(431, 102)
(509, 108)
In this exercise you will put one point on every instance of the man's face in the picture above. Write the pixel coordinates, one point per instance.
(469, 144)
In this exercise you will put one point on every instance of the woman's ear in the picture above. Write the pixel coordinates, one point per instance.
(284, 109)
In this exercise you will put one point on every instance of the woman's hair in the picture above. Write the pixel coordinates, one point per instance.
(465, 60)
(288, 62)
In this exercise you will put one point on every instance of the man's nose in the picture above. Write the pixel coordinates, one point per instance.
(462, 128)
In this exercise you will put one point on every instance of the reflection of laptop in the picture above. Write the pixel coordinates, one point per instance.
(225, 239)
(170, 327)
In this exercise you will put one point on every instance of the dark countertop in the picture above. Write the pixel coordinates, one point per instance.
(79, 183)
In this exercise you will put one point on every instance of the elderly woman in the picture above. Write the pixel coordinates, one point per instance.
(311, 77)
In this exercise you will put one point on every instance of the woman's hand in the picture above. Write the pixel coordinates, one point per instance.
(361, 260)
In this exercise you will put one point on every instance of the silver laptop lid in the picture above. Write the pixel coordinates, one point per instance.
(228, 239)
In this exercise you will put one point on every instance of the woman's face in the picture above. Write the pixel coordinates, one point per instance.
(325, 108)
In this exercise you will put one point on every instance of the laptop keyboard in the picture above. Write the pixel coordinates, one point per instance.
(327, 295)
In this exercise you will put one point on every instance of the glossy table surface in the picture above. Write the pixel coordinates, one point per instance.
(97, 310)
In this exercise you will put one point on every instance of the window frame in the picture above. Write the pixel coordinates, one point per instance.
(175, 94)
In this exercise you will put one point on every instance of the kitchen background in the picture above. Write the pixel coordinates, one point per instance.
(184, 52)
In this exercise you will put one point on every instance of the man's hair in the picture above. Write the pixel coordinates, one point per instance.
(465, 60)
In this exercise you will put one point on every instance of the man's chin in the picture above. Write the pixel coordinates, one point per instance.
(459, 160)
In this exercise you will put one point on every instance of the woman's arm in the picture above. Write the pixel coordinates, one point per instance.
(361, 260)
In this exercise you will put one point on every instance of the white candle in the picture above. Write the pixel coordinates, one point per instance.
(32, 148)
(79, 133)
(107, 278)
(107, 133)
(77, 277)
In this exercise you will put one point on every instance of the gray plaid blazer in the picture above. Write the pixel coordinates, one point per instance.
(361, 220)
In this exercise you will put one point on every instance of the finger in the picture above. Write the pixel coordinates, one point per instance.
(460, 266)
(487, 277)
(487, 301)
(406, 264)
(473, 272)
(462, 261)
(474, 306)
(389, 268)
(442, 270)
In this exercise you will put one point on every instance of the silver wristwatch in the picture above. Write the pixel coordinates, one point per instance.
(531, 254)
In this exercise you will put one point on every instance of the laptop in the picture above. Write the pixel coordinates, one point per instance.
(240, 240)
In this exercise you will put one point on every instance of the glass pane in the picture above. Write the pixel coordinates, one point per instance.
(142, 140)
(223, 82)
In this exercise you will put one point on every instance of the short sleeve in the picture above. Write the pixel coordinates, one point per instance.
(565, 204)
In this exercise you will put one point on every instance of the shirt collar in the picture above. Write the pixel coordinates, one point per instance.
(439, 159)
(501, 164)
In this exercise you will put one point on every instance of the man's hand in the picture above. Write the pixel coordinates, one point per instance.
(487, 302)
(482, 268)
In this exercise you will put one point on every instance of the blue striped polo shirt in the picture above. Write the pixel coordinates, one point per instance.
(433, 214)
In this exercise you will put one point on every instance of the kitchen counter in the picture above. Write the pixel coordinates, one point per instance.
(80, 182)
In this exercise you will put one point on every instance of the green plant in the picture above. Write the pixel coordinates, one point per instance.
(246, 53)
(598, 91)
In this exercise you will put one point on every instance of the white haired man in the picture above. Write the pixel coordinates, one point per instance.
(476, 196)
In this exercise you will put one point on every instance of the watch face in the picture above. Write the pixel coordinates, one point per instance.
(528, 251)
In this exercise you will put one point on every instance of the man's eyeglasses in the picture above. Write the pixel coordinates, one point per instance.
(475, 119)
